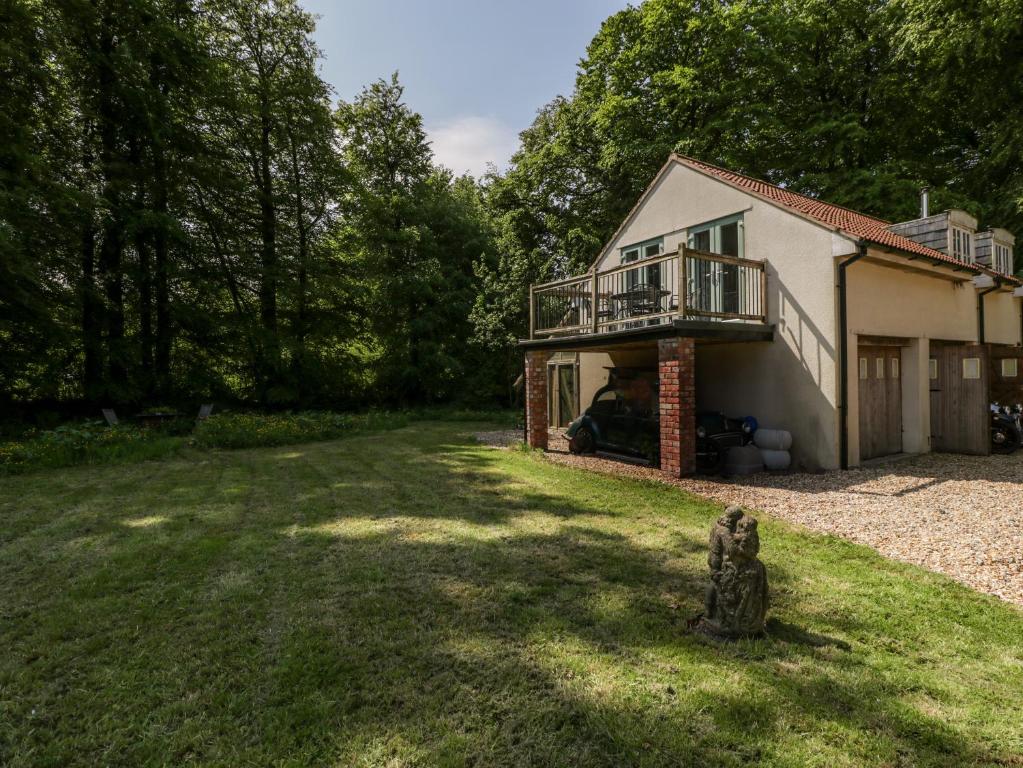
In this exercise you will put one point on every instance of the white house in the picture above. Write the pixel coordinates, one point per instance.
(861, 337)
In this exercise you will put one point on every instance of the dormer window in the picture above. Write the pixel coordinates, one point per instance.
(962, 245)
(1002, 259)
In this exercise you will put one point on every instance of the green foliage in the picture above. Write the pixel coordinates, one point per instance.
(86, 443)
(857, 102)
(251, 430)
(93, 442)
(414, 232)
(183, 217)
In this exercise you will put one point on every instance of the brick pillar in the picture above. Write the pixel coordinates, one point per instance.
(676, 369)
(536, 398)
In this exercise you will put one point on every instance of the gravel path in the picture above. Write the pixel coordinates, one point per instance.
(959, 515)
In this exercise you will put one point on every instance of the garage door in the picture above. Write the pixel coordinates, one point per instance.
(880, 401)
(959, 398)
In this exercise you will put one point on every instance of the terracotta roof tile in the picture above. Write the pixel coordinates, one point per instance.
(850, 222)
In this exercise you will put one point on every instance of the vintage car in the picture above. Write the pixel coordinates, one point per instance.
(623, 418)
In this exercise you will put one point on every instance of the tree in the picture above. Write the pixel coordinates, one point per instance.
(386, 152)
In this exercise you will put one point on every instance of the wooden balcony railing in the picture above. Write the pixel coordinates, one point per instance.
(687, 284)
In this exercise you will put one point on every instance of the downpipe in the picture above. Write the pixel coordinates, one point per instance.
(980, 310)
(843, 335)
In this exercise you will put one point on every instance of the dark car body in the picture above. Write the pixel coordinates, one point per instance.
(624, 417)
(715, 434)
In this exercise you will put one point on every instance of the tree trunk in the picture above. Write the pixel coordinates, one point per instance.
(145, 311)
(113, 228)
(268, 255)
(303, 267)
(92, 328)
(162, 351)
(144, 279)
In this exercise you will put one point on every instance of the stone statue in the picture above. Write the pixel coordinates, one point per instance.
(737, 597)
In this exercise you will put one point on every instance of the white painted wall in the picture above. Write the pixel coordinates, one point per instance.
(792, 382)
(789, 383)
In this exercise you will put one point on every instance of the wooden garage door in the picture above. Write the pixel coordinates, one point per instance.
(960, 422)
(880, 374)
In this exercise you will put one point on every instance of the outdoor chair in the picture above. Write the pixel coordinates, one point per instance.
(110, 416)
(643, 299)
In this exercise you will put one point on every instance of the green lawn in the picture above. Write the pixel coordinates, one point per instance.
(408, 598)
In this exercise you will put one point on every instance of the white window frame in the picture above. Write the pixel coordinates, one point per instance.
(1010, 367)
(1001, 258)
(961, 244)
(647, 249)
(971, 367)
(932, 368)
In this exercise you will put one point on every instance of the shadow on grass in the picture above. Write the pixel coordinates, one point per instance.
(418, 605)
(784, 632)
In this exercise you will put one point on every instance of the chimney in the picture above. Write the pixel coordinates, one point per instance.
(925, 199)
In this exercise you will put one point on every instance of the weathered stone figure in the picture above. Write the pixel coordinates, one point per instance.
(737, 597)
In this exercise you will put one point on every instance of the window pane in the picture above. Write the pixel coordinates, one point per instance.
(701, 240)
(652, 250)
(551, 389)
(971, 367)
(1010, 368)
(630, 255)
(932, 368)
(895, 367)
(879, 366)
(730, 239)
(863, 367)
(567, 395)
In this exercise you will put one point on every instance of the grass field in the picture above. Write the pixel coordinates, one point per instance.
(409, 598)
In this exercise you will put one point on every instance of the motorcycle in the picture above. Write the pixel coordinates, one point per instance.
(1006, 428)
(715, 435)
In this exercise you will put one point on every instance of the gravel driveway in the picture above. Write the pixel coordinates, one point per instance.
(959, 515)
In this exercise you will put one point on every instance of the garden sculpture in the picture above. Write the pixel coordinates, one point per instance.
(737, 597)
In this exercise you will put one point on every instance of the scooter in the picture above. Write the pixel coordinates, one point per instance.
(1006, 428)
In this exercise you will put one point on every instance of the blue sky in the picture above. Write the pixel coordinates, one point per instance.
(476, 71)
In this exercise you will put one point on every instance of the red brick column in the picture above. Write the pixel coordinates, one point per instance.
(676, 369)
(536, 398)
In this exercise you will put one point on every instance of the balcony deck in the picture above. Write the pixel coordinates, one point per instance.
(688, 292)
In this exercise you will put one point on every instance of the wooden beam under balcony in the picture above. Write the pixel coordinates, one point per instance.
(705, 331)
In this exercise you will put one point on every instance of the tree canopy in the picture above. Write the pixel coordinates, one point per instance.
(858, 102)
(187, 211)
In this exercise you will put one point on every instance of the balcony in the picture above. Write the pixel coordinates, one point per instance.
(684, 285)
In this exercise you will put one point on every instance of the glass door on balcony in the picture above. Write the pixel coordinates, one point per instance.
(715, 287)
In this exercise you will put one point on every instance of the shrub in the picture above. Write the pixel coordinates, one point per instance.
(94, 442)
(251, 430)
(91, 442)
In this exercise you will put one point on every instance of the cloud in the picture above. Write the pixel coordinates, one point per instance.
(470, 143)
